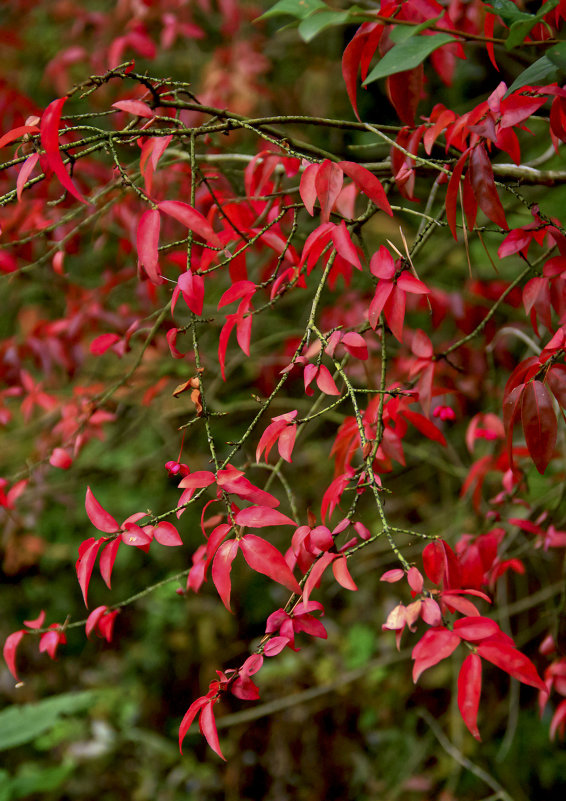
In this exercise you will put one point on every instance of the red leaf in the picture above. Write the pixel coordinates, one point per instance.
(134, 107)
(15, 133)
(9, 651)
(100, 344)
(483, 183)
(380, 298)
(355, 344)
(192, 289)
(37, 623)
(510, 660)
(147, 243)
(342, 574)
(556, 380)
(85, 565)
(221, 567)
(60, 458)
(208, 728)
(539, 423)
(263, 557)
(452, 192)
(166, 534)
(404, 90)
(436, 645)
(344, 245)
(98, 516)
(188, 718)
(475, 628)
(368, 183)
(107, 559)
(260, 516)
(93, 619)
(328, 183)
(351, 61)
(192, 218)
(469, 691)
(239, 289)
(307, 188)
(325, 382)
(49, 127)
(24, 173)
(316, 573)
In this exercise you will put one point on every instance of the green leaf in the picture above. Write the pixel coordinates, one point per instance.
(408, 55)
(521, 28)
(33, 780)
(557, 55)
(508, 11)
(22, 724)
(319, 20)
(543, 71)
(518, 32)
(300, 9)
(402, 32)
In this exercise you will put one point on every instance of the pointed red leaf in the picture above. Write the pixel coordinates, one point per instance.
(93, 619)
(147, 243)
(192, 289)
(316, 573)
(368, 183)
(435, 645)
(539, 423)
(483, 183)
(307, 188)
(238, 290)
(325, 382)
(189, 716)
(85, 565)
(25, 171)
(107, 559)
(344, 245)
(469, 691)
(383, 290)
(134, 107)
(37, 623)
(260, 516)
(510, 660)
(328, 183)
(221, 567)
(452, 192)
(556, 380)
(192, 218)
(355, 344)
(16, 133)
(475, 628)
(263, 557)
(98, 516)
(208, 728)
(9, 651)
(49, 127)
(342, 574)
(166, 534)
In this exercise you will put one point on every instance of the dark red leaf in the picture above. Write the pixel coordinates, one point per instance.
(368, 183)
(539, 423)
(436, 644)
(147, 243)
(510, 660)
(483, 183)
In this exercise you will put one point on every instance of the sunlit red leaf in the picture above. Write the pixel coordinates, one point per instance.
(166, 534)
(342, 574)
